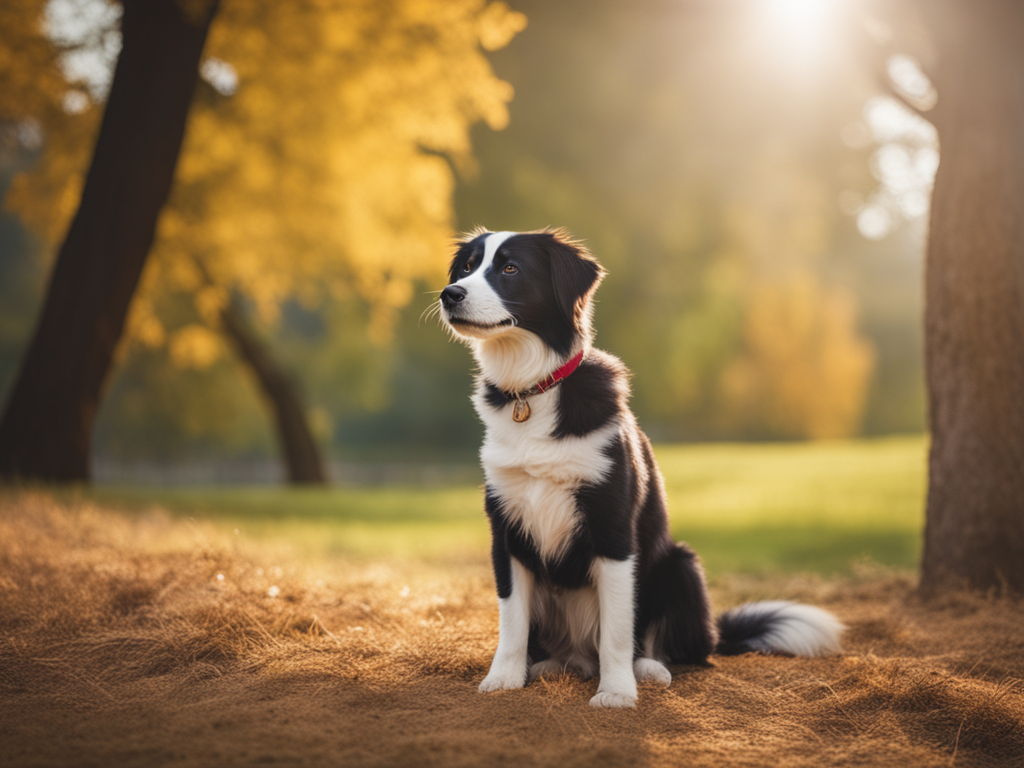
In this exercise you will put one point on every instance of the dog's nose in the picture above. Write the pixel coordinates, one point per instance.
(452, 295)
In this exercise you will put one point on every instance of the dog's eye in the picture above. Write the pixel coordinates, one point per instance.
(510, 269)
(466, 268)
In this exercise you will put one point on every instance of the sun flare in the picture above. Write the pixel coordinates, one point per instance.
(798, 16)
(794, 32)
(801, 27)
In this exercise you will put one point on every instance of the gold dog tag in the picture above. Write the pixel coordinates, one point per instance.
(520, 411)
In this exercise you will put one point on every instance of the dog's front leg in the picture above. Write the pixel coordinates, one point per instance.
(615, 597)
(508, 670)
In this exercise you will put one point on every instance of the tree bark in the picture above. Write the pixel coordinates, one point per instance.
(974, 318)
(46, 428)
(302, 456)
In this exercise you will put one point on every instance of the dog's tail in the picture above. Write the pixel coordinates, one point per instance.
(778, 626)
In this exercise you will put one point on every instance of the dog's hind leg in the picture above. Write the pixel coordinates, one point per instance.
(615, 589)
(675, 614)
(648, 667)
(651, 670)
(547, 668)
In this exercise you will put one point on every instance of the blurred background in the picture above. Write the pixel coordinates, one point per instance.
(744, 169)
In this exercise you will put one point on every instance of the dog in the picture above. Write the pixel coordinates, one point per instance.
(588, 578)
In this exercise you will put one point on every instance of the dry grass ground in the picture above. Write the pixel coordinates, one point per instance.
(151, 641)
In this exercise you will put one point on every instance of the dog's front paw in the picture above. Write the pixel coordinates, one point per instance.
(608, 700)
(503, 680)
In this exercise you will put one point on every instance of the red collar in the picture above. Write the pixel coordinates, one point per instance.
(521, 409)
(557, 376)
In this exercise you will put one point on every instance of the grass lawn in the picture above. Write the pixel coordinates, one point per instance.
(762, 508)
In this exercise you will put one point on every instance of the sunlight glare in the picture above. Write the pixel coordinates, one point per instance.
(904, 162)
(88, 35)
(874, 222)
(910, 81)
(221, 75)
(798, 29)
(801, 16)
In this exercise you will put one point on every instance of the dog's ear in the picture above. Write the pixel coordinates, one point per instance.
(575, 275)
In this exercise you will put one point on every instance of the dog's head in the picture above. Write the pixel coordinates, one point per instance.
(509, 282)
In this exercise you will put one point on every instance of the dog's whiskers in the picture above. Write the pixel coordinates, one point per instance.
(432, 312)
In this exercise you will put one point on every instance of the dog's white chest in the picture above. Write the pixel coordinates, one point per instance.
(536, 475)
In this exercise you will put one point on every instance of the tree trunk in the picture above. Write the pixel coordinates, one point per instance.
(297, 444)
(974, 323)
(46, 429)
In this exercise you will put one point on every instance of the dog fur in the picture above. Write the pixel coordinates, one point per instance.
(588, 577)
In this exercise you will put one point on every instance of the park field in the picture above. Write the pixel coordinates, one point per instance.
(351, 626)
(747, 508)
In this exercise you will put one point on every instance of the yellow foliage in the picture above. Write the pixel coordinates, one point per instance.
(805, 369)
(328, 170)
(209, 301)
(498, 25)
(151, 331)
(194, 346)
(30, 74)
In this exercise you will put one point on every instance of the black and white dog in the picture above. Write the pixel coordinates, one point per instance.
(588, 577)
